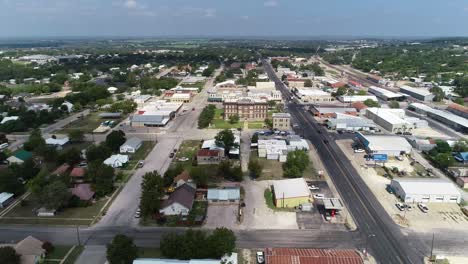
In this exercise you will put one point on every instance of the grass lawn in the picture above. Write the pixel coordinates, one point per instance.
(219, 122)
(268, 194)
(272, 169)
(140, 154)
(88, 123)
(188, 149)
(145, 252)
(74, 255)
(69, 216)
(256, 124)
(59, 252)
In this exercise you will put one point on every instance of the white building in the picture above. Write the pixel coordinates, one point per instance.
(418, 190)
(112, 89)
(116, 161)
(227, 259)
(392, 146)
(58, 142)
(9, 118)
(356, 98)
(350, 123)
(131, 145)
(281, 121)
(272, 149)
(421, 94)
(390, 119)
(385, 94)
(310, 95)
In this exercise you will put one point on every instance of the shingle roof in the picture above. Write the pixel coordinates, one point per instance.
(184, 195)
(78, 172)
(208, 152)
(61, 169)
(83, 191)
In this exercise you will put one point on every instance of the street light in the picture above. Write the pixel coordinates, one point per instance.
(367, 240)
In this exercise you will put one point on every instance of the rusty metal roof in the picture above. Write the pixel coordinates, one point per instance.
(312, 256)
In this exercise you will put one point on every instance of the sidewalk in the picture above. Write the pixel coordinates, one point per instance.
(92, 255)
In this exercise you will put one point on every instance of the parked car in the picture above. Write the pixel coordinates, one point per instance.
(423, 207)
(325, 141)
(260, 257)
(327, 216)
(400, 206)
(319, 196)
(313, 188)
(389, 189)
(359, 150)
(138, 213)
(183, 159)
(400, 158)
(171, 155)
(408, 207)
(141, 163)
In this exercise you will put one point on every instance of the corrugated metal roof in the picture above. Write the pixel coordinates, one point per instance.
(225, 194)
(311, 256)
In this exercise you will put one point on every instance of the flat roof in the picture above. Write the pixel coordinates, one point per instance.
(388, 115)
(281, 115)
(291, 188)
(382, 143)
(312, 92)
(420, 91)
(4, 196)
(333, 203)
(382, 91)
(446, 115)
(427, 186)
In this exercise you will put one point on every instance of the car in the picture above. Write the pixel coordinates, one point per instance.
(325, 141)
(183, 159)
(358, 150)
(260, 257)
(138, 213)
(400, 206)
(313, 188)
(141, 163)
(171, 155)
(319, 196)
(319, 131)
(389, 189)
(175, 150)
(423, 207)
(400, 158)
(408, 207)
(327, 216)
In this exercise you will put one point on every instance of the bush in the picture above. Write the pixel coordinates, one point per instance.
(48, 247)
(206, 116)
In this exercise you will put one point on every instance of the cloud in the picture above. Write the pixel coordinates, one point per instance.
(131, 4)
(210, 12)
(271, 3)
(196, 11)
(245, 17)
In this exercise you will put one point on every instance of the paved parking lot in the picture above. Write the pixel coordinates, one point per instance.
(323, 188)
(221, 215)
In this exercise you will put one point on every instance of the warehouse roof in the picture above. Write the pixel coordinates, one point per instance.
(380, 142)
(291, 188)
(311, 256)
(420, 91)
(389, 115)
(443, 114)
(427, 186)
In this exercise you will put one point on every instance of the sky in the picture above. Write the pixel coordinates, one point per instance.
(306, 18)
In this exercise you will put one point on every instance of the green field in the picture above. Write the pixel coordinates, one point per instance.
(219, 122)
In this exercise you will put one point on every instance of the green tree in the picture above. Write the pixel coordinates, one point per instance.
(206, 116)
(394, 104)
(459, 101)
(341, 91)
(438, 94)
(131, 79)
(97, 153)
(199, 176)
(8, 255)
(225, 139)
(444, 160)
(255, 168)
(115, 139)
(221, 242)
(152, 191)
(362, 92)
(460, 146)
(254, 138)
(308, 83)
(121, 250)
(371, 103)
(233, 119)
(269, 123)
(54, 195)
(10, 183)
(71, 156)
(296, 163)
(35, 141)
(102, 178)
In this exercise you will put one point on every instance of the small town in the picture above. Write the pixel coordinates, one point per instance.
(240, 150)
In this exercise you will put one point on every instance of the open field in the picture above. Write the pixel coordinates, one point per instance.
(88, 123)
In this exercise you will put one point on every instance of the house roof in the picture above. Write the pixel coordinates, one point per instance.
(229, 193)
(185, 176)
(462, 156)
(61, 169)
(208, 153)
(184, 195)
(83, 191)
(458, 107)
(23, 155)
(359, 105)
(311, 256)
(133, 142)
(291, 188)
(78, 172)
(30, 246)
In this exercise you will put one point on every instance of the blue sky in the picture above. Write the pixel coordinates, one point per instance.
(26, 18)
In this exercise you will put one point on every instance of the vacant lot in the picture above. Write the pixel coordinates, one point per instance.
(222, 216)
(87, 123)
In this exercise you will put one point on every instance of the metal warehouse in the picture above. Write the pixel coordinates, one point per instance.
(426, 190)
(390, 145)
(291, 192)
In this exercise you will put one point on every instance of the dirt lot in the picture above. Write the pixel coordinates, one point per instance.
(429, 132)
(256, 213)
(439, 215)
(222, 216)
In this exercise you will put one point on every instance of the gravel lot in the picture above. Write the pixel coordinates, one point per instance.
(222, 215)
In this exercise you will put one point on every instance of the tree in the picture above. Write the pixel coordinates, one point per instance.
(225, 139)
(444, 160)
(308, 83)
(206, 116)
(102, 177)
(115, 139)
(10, 183)
(221, 242)
(362, 92)
(121, 250)
(254, 138)
(255, 168)
(35, 141)
(438, 94)
(460, 146)
(233, 119)
(76, 135)
(8, 255)
(131, 79)
(152, 191)
(97, 153)
(296, 163)
(371, 103)
(55, 195)
(269, 123)
(48, 247)
(442, 147)
(394, 104)
(459, 101)
(71, 156)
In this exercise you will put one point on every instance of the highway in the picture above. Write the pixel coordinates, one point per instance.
(387, 242)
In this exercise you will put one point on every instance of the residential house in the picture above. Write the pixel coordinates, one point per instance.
(116, 161)
(31, 251)
(207, 156)
(57, 142)
(225, 195)
(83, 191)
(77, 174)
(62, 169)
(131, 145)
(6, 199)
(179, 202)
(20, 157)
(182, 179)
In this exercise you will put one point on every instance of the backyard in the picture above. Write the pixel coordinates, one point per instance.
(273, 169)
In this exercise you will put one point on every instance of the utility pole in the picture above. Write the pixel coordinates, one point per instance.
(78, 235)
(432, 247)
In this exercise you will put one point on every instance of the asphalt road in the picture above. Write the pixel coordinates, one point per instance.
(386, 241)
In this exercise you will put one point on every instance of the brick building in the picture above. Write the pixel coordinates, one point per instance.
(246, 108)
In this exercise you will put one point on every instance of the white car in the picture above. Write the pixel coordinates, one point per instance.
(319, 196)
(359, 151)
(400, 206)
(184, 159)
(423, 207)
(260, 257)
(313, 188)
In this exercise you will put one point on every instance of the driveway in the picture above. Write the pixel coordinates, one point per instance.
(257, 215)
